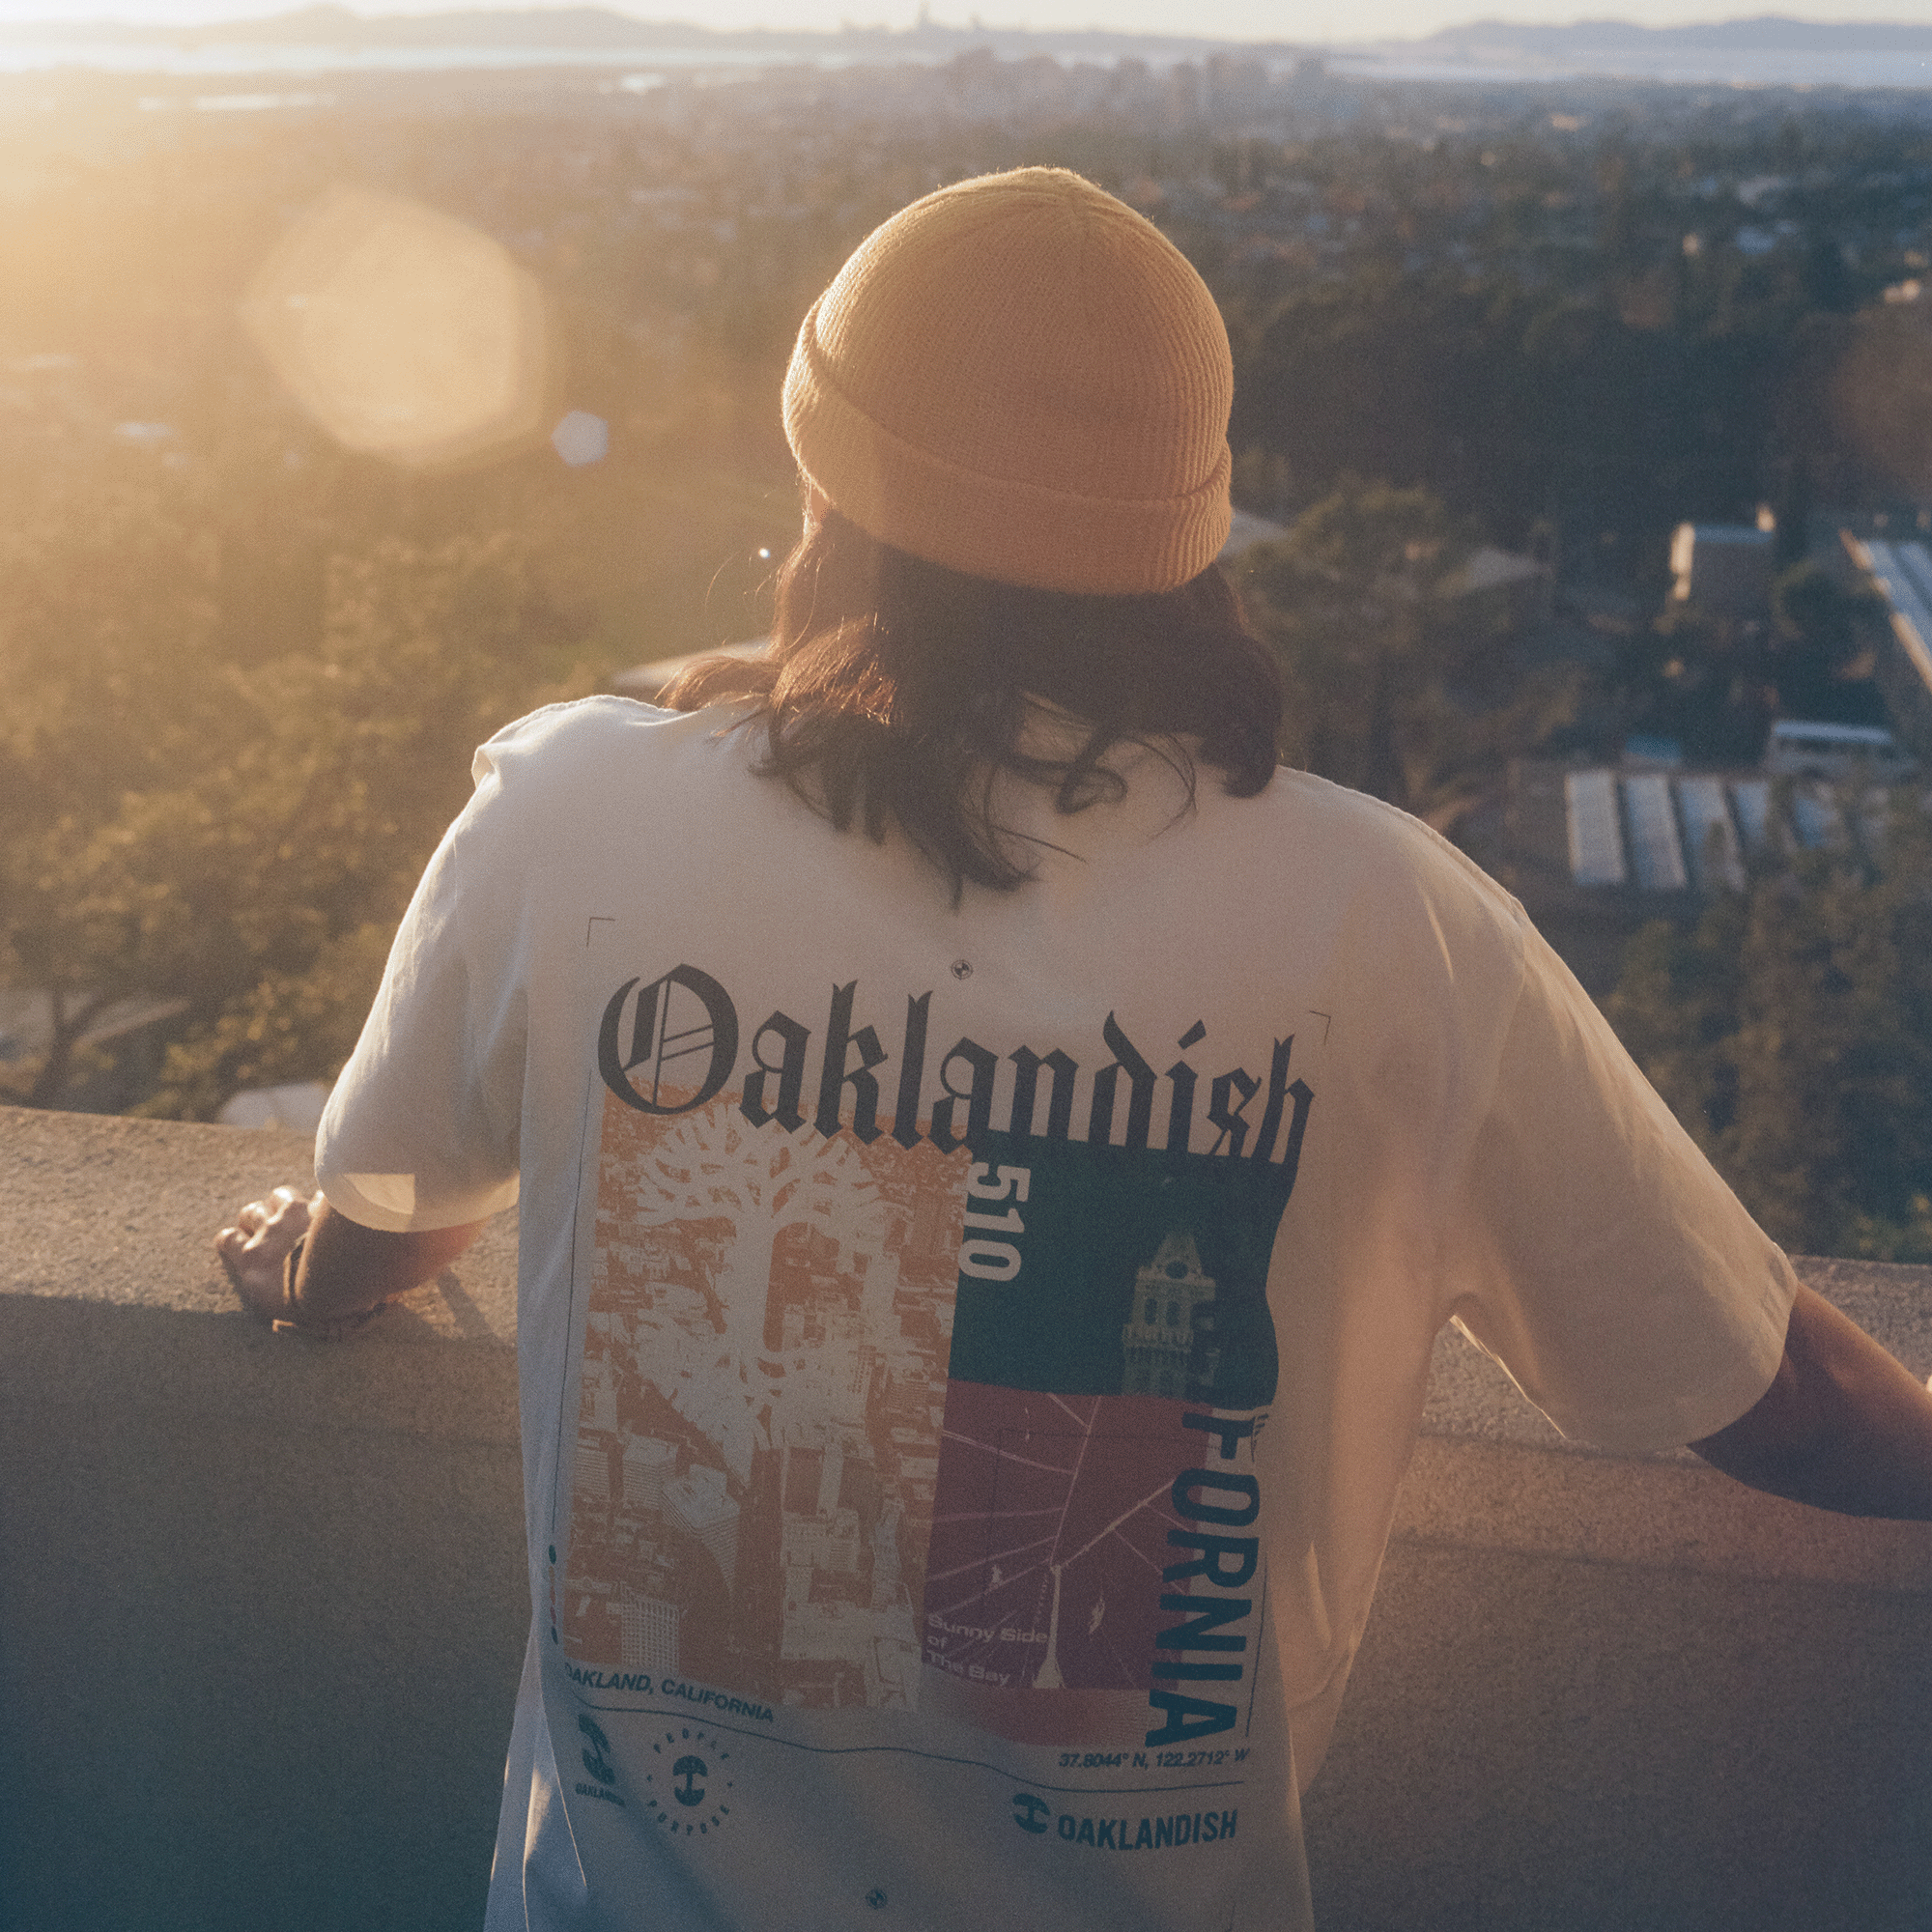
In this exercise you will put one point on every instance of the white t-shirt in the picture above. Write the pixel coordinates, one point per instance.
(969, 1352)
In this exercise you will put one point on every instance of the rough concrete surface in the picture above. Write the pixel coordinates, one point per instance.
(263, 1606)
(263, 1598)
(1535, 1745)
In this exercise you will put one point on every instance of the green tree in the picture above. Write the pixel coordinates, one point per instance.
(1389, 671)
(1791, 1032)
(243, 839)
(1824, 647)
(1702, 680)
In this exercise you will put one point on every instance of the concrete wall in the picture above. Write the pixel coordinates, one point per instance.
(263, 1603)
(261, 1608)
(1624, 1694)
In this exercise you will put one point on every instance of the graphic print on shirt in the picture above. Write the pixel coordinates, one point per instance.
(944, 1415)
(1095, 1574)
(764, 1365)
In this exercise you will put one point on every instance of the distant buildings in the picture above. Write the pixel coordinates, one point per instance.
(648, 1627)
(1724, 569)
(1596, 851)
(1902, 574)
(696, 1503)
(1841, 753)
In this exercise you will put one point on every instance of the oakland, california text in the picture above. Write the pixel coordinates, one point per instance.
(671, 1045)
(639, 1683)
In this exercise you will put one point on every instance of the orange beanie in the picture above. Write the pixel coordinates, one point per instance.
(1020, 377)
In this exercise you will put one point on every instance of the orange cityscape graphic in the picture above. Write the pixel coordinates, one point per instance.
(764, 1377)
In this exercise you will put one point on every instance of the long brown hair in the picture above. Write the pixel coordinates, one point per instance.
(895, 691)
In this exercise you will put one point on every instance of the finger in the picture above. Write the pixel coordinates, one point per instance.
(295, 1212)
(246, 1273)
(251, 1219)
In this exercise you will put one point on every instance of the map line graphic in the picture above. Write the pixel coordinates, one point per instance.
(1015, 1562)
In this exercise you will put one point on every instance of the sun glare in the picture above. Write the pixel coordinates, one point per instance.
(405, 334)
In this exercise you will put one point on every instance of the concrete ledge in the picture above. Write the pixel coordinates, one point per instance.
(1490, 1472)
(1615, 1693)
(265, 1602)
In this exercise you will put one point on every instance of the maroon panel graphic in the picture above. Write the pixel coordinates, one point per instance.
(1049, 1536)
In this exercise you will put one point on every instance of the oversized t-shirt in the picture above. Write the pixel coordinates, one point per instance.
(969, 1352)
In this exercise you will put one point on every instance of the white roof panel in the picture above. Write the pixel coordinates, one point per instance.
(1816, 818)
(1655, 845)
(1710, 839)
(1904, 573)
(1596, 834)
(1750, 800)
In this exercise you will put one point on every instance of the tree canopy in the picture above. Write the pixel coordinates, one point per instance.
(198, 813)
(1395, 682)
(1790, 1030)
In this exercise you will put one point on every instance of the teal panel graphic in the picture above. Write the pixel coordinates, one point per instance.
(1102, 1270)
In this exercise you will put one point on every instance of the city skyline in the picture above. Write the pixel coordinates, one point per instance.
(1231, 19)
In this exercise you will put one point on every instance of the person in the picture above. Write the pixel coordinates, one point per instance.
(993, 1154)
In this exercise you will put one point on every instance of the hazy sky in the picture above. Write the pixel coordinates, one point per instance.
(1235, 19)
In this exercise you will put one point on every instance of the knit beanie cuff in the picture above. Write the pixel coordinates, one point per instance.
(1002, 527)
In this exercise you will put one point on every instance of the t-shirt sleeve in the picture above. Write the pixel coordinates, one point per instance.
(421, 1130)
(1597, 1254)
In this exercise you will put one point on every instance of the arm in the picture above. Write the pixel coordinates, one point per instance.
(1843, 1426)
(345, 1269)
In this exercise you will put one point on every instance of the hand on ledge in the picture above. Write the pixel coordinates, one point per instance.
(345, 1272)
(253, 1250)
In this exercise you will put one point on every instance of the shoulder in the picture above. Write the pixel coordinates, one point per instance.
(1378, 854)
(588, 736)
(560, 773)
(574, 756)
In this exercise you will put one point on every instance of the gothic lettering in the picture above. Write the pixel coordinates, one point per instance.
(1140, 1080)
(685, 1023)
(790, 1071)
(664, 1031)
(979, 1096)
(1181, 1109)
(1059, 1097)
(1234, 1128)
(840, 1040)
(912, 1071)
(1279, 1091)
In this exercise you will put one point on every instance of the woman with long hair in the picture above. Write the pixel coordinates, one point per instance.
(994, 1155)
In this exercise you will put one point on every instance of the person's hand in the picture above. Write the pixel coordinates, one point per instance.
(254, 1248)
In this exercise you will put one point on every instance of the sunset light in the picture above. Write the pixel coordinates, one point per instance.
(904, 905)
(402, 332)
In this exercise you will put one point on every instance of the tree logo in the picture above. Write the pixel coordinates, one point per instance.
(687, 1788)
(596, 1752)
(690, 1772)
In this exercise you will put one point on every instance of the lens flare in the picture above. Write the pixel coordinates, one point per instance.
(404, 332)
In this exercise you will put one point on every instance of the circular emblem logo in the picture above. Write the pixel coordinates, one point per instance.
(688, 1787)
